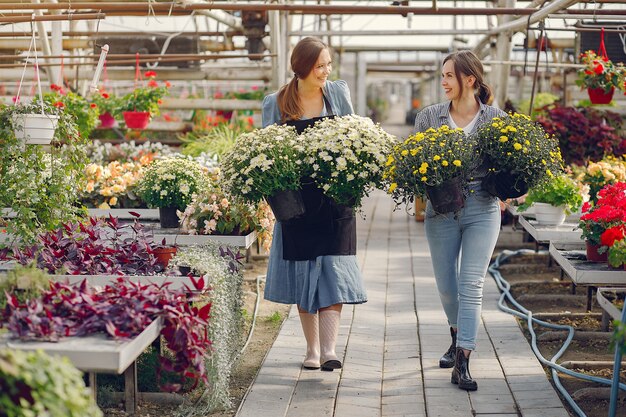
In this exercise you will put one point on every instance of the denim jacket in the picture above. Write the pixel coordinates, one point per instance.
(337, 93)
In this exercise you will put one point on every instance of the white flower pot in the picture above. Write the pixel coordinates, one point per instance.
(547, 214)
(35, 129)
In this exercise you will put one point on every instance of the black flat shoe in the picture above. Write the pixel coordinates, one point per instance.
(331, 365)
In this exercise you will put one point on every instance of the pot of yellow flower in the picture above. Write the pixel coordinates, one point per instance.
(433, 164)
(519, 155)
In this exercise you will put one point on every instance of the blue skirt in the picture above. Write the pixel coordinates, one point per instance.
(312, 285)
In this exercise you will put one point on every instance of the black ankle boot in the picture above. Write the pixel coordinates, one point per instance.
(461, 374)
(447, 360)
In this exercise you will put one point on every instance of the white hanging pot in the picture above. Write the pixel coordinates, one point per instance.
(35, 129)
(549, 215)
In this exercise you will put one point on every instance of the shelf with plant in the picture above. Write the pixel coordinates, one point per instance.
(38, 185)
(558, 191)
(429, 159)
(122, 311)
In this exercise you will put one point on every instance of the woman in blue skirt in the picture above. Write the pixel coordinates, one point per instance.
(318, 284)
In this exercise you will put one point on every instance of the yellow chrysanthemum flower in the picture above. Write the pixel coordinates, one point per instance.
(504, 139)
(456, 162)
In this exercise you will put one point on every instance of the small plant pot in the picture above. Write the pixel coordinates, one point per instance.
(593, 255)
(504, 185)
(136, 119)
(168, 217)
(163, 255)
(599, 96)
(35, 129)
(446, 197)
(286, 205)
(549, 215)
(184, 270)
(106, 120)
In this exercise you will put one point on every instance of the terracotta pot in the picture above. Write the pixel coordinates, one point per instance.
(446, 197)
(106, 120)
(593, 255)
(420, 207)
(136, 119)
(599, 96)
(163, 255)
(168, 217)
(286, 205)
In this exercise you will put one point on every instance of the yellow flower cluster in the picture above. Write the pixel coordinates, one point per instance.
(106, 184)
(428, 159)
(596, 175)
(516, 144)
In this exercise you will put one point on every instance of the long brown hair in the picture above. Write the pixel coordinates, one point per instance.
(303, 59)
(467, 63)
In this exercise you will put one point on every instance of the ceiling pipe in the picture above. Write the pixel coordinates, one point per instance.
(51, 18)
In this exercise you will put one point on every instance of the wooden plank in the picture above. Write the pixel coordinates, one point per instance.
(572, 258)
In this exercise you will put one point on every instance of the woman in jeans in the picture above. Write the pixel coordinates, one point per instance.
(461, 243)
(320, 284)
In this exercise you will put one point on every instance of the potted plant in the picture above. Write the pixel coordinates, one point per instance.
(433, 164)
(267, 163)
(170, 184)
(552, 199)
(347, 155)
(83, 113)
(36, 384)
(600, 76)
(608, 212)
(519, 154)
(614, 239)
(108, 106)
(140, 105)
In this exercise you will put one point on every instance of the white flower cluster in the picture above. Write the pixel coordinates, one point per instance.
(346, 156)
(263, 162)
(102, 153)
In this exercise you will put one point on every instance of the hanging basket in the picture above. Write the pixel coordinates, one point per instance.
(136, 119)
(286, 205)
(106, 120)
(168, 217)
(35, 129)
(599, 96)
(446, 197)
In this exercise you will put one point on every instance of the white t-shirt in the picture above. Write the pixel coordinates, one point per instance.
(467, 129)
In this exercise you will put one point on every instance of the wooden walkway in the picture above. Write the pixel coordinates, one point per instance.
(391, 345)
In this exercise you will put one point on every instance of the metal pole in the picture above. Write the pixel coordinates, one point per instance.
(274, 23)
(616, 369)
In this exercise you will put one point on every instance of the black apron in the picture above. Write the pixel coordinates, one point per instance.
(326, 228)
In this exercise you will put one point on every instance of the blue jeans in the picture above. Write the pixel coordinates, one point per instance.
(461, 245)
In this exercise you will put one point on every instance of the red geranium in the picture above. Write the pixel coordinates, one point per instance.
(611, 235)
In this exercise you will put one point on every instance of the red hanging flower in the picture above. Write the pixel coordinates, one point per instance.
(150, 74)
(59, 104)
(105, 95)
(93, 105)
(599, 69)
(153, 83)
(168, 84)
